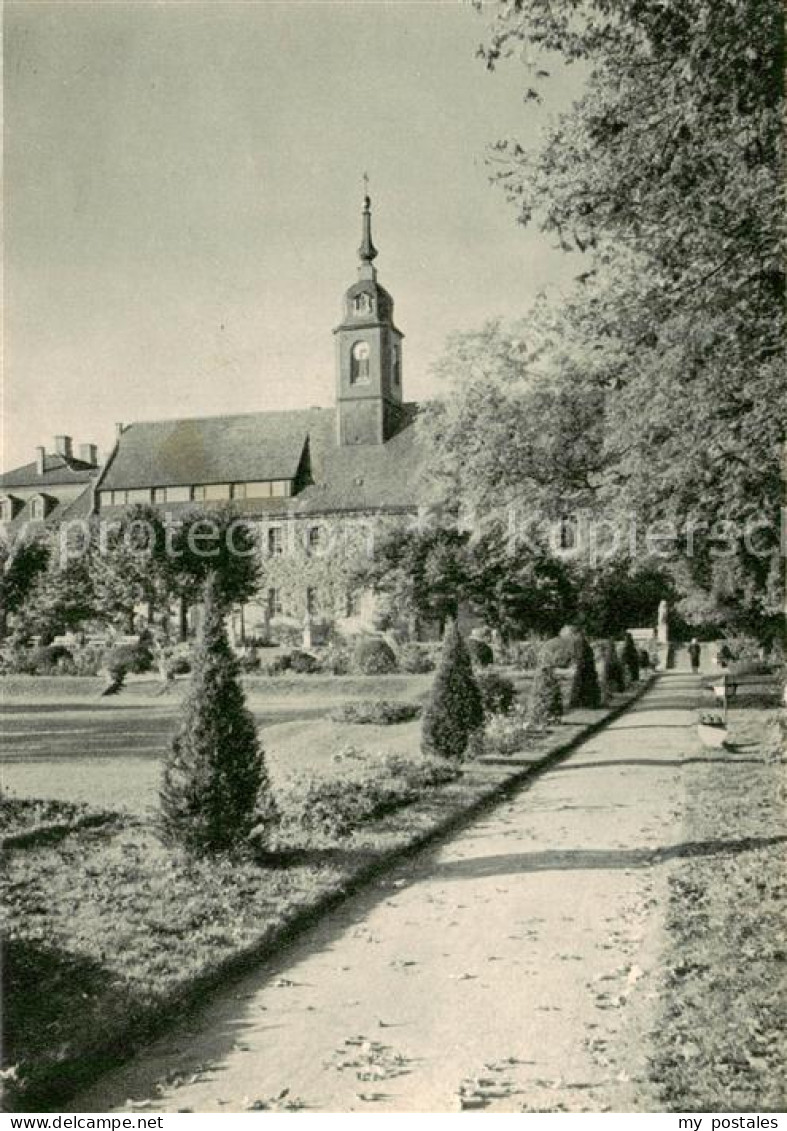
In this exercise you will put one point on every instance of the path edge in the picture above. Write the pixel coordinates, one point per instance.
(60, 1082)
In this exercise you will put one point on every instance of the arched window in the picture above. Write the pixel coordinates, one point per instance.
(363, 303)
(359, 364)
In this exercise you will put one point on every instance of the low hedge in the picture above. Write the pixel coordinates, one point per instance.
(333, 808)
(378, 712)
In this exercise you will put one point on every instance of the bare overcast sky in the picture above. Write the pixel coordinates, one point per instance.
(183, 189)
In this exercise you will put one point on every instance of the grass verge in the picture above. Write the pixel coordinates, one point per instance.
(721, 1042)
(111, 936)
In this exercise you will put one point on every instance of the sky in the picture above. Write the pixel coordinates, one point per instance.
(183, 196)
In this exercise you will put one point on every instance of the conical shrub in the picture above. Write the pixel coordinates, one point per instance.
(215, 789)
(612, 674)
(545, 704)
(455, 710)
(630, 657)
(585, 690)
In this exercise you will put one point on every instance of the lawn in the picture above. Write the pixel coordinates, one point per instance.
(62, 740)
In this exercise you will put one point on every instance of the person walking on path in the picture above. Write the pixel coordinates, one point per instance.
(695, 653)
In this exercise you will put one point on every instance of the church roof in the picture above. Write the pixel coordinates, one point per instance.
(212, 449)
(271, 446)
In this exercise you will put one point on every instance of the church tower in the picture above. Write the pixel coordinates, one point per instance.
(368, 355)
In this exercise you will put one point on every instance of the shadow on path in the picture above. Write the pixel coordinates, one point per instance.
(595, 860)
(656, 763)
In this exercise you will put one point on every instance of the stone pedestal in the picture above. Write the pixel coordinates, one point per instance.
(665, 655)
(308, 633)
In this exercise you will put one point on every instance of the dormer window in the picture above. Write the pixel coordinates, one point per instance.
(38, 507)
(359, 364)
(6, 509)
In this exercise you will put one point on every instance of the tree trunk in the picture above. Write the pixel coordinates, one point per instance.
(183, 618)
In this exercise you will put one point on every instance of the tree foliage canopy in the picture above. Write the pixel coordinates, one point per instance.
(655, 387)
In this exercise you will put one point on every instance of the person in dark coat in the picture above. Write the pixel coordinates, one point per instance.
(695, 653)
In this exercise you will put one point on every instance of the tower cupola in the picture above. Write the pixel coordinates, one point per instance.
(368, 353)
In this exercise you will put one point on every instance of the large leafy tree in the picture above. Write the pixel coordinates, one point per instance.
(659, 379)
(516, 587)
(507, 437)
(130, 566)
(421, 572)
(22, 561)
(214, 544)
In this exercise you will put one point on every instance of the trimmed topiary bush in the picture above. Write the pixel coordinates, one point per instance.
(630, 657)
(585, 690)
(480, 652)
(612, 675)
(215, 793)
(373, 656)
(497, 693)
(545, 704)
(455, 710)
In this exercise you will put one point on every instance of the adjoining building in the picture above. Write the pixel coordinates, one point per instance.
(55, 487)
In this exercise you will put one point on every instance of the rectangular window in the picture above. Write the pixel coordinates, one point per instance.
(281, 488)
(198, 494)
(138, 495)
(313, 540)
(216, 491)
(260, 489)
(239, 490)
(5, 511)
(275, 541)
(178, 494)
(159, 494)
(37, 508)
(275, 607)
(312, 602)
(117, 498)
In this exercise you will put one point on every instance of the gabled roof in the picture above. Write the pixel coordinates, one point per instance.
(214, 449)
(270, 445)
(58, 470)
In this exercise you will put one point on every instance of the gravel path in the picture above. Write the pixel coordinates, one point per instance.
(513, 968)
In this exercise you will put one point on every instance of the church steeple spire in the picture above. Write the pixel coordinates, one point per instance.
(367, 252)
(368, 353)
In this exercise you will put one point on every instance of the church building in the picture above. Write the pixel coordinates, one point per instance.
(319, 484)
